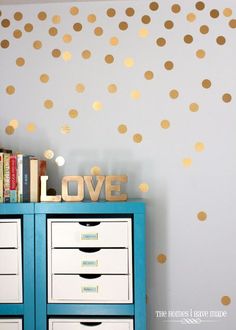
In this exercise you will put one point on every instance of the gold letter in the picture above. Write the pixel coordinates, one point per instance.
(80, 186)
(44, 197)
(110, 187)
(94, 193)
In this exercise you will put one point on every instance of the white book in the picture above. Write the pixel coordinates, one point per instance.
(34, 180)
(20, 178)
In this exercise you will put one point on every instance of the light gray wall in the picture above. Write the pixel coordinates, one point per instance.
(199, 268)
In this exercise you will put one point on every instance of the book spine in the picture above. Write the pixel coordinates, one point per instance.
(42, 172)
(20, 178)
(26, 179)
(6, 177)
(34, 188)
(1, 177)
(13, 179)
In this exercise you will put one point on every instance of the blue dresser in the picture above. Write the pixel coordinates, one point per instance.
(83, 265)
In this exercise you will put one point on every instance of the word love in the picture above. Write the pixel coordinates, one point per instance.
(112, 188)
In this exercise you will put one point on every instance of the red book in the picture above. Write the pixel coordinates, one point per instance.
(13, 179)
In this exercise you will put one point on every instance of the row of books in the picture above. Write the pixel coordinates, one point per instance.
(20, 177)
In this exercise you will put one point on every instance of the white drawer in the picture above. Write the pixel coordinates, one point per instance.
(104, 261)
(10, 324)
(8, 234)
(74, 288)
(86, 324)
(108, 233)
(8, 261)
(10, 289)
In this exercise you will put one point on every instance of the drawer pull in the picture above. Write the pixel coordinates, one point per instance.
(90, 224)
(91, 324)
(89, 289)
(89, 263)
(90, 276)
(89, 250)
(89, 236)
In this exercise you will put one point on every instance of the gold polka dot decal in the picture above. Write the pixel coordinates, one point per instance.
(111, 12)
(17, 34)
(86, 54)
(226, 97)
(42, 16)
(98, 31)
(60, 161)
(5, 23)
(112, 88)
(114, 41)
(5, 43)
(202, 216)
(10, 90)
(67, 56)
(48, 154)
(225, 300)
(194, 107)
(73, 113)
(199, 146)
(56, 53)
(149, 75)
(143, 187)
(137, 138)
(129, 62)
(74, 11)
(165, 124)
(188, 39)
(80, 88)
(187, 162)
(95, 170)
(161, 258)
(169, 65)
(28, 27)
(37, 44)
(200, 53)
(200, 5)
(122, 129)
(67, 38)
(220, 40)
(232, 23)
(191, 17)
(130, 12)
(53, 31)
(56, 19)
(65, 129)
(143, 33)
(206, 83)
(161, 42)
(123, 26)
(91, 18)
(20, 61)
(77, 27)
(9, 130)
(227, 12)
(109, 59)
(175, 8)
(14, 123)
(169, 25)
(204, 29)
(135, 95)
(146, 19)
(18, 16)
(154, 6)
(31, 128)
(48, 104)
(174, 94)
(214, 13)
(44, 78)
(97, 106)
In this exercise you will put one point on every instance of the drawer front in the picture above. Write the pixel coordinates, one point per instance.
(86, 324)
(9, 261)
(74, 288)
(10, 324)
(105, 234)
(10, 291)
(104, 261)
(8, 234)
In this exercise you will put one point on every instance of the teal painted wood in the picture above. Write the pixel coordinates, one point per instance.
(11, 309)
(28, 271)
(16, 208)
(91, 309)
(40, 272)
(139, 271)
(131, 206)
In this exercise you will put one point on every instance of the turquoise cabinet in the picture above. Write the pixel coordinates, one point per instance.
(83, 265)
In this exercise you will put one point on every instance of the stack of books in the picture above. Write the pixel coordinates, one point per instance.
(20, 177)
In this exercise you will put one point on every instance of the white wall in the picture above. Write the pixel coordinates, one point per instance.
(189, 167)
